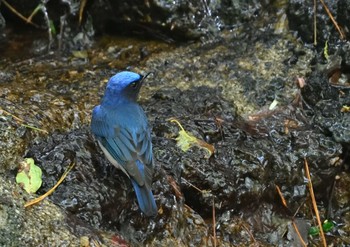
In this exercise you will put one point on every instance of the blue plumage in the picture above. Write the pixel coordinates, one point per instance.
(120, 126)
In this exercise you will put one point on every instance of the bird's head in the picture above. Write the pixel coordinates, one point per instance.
(124, 85)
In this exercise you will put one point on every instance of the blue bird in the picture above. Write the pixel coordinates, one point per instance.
(121, 128)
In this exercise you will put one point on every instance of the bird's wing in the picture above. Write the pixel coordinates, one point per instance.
(126, 148)
(124, 145)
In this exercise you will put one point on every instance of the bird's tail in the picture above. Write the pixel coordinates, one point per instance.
(145, 199)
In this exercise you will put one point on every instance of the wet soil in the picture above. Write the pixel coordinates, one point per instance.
(223, 92)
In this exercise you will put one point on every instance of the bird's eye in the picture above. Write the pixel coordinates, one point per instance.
(134, 84)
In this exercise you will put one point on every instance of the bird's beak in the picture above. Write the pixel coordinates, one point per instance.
(144, 77)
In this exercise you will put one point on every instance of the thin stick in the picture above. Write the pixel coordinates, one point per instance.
(19, 14)
(34, 128)
(81, 10)
(29, 19)
(284, 202)
(42, 197)
(22, 121)
(192, 185)
(314, 203)
(315, 25)
(214, 224)
(281, 196)
(342, 36)
(10, 114)
(331, 195)
(175, 186)
(249, 233)
(298, 233)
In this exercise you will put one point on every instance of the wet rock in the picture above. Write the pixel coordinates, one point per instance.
(223, 92)
(2, 22)
(6, 77)
(251, 157)
(173, 20)
(327, 106)
(31, 226)
(343, 15)
(55, 22)
(73, 26)
(12, 145)
(102, 196)
(341, 130)
(301, 19)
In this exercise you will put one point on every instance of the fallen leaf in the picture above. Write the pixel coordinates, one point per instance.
(345, 108)
(185, 140)
(42, 197)
(29, 176)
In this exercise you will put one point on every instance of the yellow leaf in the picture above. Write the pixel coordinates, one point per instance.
(345, 108)
(185, 140)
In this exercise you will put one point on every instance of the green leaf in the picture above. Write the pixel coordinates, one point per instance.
(327, 225)
(314, 231)
(52, 27)
(29, 176)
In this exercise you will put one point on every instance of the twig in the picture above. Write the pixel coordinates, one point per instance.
(281, 196)
(29, 19)
(315, 24)
(298, 233)
(34, 128)
(331, 195)
(314, 202)
(249, 233)
(42, 197)
(192, 185)
(10, 114)
(342, 36)
(19, 14)
(284, 202)
(175, 186)
(214, 224)
(81, 10)
(22, 121)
